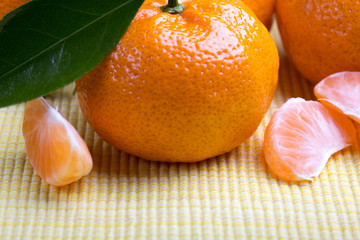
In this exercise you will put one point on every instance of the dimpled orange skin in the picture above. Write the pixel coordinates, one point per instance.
(9, 5)
(183, 87)
(263, 9)
(320, 37)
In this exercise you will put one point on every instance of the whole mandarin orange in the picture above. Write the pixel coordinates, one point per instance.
(264, 10)
(9, 5)
(320, 37)
(183, 87)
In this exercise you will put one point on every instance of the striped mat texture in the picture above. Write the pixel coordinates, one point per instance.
(233, 196)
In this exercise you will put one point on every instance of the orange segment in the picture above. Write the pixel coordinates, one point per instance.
(341, 91)
(302, 135)
(55, 149)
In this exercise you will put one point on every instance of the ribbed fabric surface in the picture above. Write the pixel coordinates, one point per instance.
(233, 196)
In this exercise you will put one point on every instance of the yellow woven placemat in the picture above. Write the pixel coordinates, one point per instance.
(233, 196)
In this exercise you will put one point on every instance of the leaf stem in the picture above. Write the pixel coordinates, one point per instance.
(173, 7)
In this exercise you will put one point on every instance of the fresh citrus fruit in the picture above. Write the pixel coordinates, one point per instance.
(183, 87)
(341, 91)
(55, 149)
(302, 135)
(264, 10)
(320, 37)
(9, 5)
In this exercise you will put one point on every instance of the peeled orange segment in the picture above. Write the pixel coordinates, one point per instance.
(341, 91)
(55, 149)
(301, 137)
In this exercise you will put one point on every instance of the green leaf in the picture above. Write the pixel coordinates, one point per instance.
(47, 44)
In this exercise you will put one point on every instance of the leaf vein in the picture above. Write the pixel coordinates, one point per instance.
(78, 11)
(103, 33)
(44, 33)
(5, 61)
